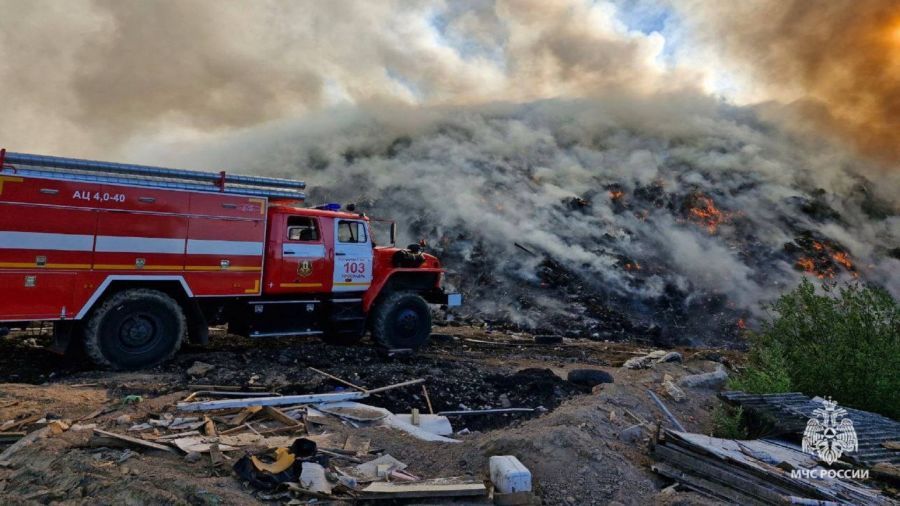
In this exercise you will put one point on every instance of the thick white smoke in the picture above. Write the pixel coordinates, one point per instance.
(474, 181)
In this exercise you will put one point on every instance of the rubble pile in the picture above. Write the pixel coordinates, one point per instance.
(283, 447)
(568, 218)
(566, 421)
(451, 388)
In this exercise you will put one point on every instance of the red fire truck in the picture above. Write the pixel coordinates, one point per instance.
(130, 260)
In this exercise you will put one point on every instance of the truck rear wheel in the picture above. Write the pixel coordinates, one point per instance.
(401, 320)
(134, 329)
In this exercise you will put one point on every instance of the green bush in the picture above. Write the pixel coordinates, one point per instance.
(843, 343)
(728, 422)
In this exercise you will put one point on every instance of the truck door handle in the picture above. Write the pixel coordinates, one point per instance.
(339, 254)
(288, 253)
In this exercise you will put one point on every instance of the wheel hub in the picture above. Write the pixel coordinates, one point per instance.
(137, 330)
(407, 321)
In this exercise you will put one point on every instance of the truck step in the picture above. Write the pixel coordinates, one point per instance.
(287, 334)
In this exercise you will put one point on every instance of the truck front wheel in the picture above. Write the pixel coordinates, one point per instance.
(134, 329)
(401, 320)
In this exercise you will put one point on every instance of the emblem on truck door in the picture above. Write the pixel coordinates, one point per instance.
(304, 269)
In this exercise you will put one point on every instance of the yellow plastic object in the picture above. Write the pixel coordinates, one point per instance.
(284, 459)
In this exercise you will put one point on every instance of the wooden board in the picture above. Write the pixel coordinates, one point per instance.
(425, 489)
(135, 441)
(279, 416)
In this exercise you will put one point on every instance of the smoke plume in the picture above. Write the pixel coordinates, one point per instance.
(672, 216)
(569, 171)
(837, 61)
(88, 76)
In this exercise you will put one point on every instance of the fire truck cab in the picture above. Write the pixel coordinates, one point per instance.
(127, 261)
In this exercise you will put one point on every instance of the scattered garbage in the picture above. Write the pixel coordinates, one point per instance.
(312, 478)
(713, 380)
(200, 369)
(638, 362)
(652, 358)
(321, 437)
(672, 389)
(302, 462)
(435, 424)
(377, 469)
(672, 356)
(387, 418)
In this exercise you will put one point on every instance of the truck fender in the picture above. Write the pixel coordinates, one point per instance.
(101, 290)
(412, 279)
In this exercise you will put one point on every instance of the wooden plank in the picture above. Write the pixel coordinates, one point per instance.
(281, 430)
(245, 413)
(425, 489)
(93, 414)
(209, 427)
(427, 400)
(723, 475)
(135, 441)
(22, 443)
(339, 380)
(391, 387)
(279, 416)
(706, 487)
(25, 421)
(770, 474)
(273, 401)
(199, 386)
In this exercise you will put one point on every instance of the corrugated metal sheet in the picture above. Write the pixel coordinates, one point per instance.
(790, 412)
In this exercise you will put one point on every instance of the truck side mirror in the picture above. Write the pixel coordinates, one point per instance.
(393, 233)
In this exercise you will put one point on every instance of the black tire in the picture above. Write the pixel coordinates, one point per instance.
(135, 329)
(589, 377)
(401, 320)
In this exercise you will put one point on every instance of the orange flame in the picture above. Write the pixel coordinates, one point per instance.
(807, 264)
(616, 194)
(707, 214)
(843, 259)
(741, 324)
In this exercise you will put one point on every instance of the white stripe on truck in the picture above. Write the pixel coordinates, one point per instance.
(44, 241)
(126, 244)
(202, 247)
(303, 250)
(118, 244)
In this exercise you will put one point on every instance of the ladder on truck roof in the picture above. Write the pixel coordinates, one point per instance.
(149, 176)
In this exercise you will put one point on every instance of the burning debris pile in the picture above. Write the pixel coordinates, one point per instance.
(641, 219)
(820, 256)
